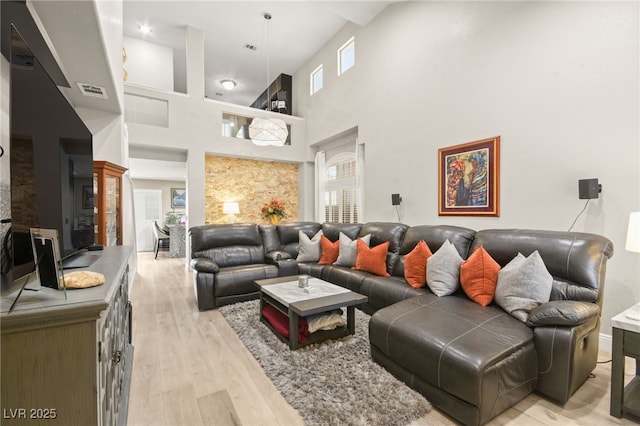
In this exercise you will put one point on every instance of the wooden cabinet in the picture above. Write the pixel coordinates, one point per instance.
(68, 361)
(107, 184)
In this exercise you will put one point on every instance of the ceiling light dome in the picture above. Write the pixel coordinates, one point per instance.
(228, 84)
(144, 29)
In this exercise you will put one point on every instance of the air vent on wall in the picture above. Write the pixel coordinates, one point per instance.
(92, 90)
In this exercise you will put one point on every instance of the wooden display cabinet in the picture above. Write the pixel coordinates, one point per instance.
(107, 185)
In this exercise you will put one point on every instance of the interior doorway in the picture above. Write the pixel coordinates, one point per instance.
(148, 204)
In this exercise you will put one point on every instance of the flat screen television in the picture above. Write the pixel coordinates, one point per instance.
(51, 161)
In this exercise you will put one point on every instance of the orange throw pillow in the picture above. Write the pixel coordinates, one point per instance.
(328, 251)
(478, 277)
(372, 260)
(415, 265)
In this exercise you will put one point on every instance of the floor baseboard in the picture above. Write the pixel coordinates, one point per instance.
(605, 343)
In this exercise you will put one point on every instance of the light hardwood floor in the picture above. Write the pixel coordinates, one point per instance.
(190, 368)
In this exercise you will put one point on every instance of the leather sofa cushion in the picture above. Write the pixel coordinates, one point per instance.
(381, 291)
(288, 235)
(344, 276)
(385, 291)
(310, 268)
(436, 235)
(205, 265)
(563, 313)
(206, 237)
(234, 280)
(575, 260)
(332, 230)
(472, 352)
(234, 255)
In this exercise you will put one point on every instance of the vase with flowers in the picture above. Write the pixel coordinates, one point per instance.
(274, 211)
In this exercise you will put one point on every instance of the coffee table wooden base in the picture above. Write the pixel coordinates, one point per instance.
(309, 307)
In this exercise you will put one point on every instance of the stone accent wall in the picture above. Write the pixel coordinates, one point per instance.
(23, 198)
(251, 184)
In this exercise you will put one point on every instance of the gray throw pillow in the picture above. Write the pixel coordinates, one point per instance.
(308, 249)
(348, 250)
(523, 284)
(443, 270)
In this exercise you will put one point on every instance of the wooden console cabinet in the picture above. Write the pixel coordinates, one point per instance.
(108, 201)
(68, 362)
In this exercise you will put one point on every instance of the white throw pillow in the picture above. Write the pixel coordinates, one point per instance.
(308, 249)
(348, 250)
(523, 284)
(443, 270)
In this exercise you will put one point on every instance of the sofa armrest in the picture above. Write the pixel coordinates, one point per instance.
(274, 256)
(202, 264)
(562, 313)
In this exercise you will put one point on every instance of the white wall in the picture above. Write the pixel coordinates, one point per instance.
(149, 64)
(164, 186)
(558, 81)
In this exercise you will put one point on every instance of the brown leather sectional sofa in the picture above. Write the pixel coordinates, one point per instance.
(473, 362)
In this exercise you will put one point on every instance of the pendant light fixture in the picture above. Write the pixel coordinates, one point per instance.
(268, 131)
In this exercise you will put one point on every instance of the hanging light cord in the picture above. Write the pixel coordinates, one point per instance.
(267, 17)
(579, 214)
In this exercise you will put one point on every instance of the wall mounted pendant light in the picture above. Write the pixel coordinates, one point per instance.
(265, 131)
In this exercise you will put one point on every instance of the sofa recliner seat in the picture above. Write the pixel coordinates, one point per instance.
(227, 259)
(475, 361)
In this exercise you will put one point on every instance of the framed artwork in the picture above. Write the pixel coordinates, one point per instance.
(87, 197)
(469, 179)
(178, 198)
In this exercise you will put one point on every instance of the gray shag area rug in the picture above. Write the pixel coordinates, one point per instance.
(330, 383)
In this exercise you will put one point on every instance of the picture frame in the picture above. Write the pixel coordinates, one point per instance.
(47, 258)
(87, 197)
(469, 179)
(178, 198)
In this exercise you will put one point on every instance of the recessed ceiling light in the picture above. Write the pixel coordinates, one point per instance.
(144, 29)
(228, 84)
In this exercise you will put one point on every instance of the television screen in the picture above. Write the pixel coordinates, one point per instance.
(51, 162)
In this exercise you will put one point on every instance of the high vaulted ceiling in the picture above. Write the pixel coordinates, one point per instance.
(298, 29)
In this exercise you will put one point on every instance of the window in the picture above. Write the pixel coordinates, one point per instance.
(346, 56)
(316, 80)
(237, 126)
(341, 192)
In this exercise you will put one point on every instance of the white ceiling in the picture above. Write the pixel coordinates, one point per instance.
(298, 30)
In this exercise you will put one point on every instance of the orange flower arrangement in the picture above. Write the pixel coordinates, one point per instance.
(274, 207)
